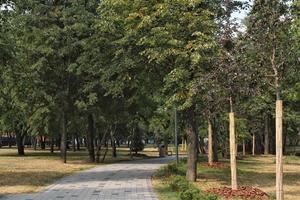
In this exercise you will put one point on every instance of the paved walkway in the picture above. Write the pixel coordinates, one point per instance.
(126, 180)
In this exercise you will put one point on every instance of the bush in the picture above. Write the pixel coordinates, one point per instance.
(189, 194)
(196, 194)
(167, 171)
(179, 183)
(188, 191)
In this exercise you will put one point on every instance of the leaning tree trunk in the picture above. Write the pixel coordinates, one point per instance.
(232, 151)
(19, 141)
(63, 141)
(90, 138)
(191, 173)
(210, 144)
(99, 145)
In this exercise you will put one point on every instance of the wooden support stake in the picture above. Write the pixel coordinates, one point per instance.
(279, 164)
(232, 151)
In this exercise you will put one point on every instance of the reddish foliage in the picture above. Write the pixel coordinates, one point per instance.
(241, 192)
(215, 165)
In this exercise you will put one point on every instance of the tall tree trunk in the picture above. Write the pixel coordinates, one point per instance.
(73, 142)
(9, 140)
(90, 138)
(52, 144)
(259, 144)
(253, 144)
(19, 141)
(266, 134)
(78, 142)
(232, 151)
(34, 143)
(215, 140)
(113, 142)
(225, 143)
(43, 143)
(166, 142)
(210, 144)
(99, 145)
(244, 148)
(191, 173)
(278, 125)
(113, 147)
(63, 141)
(272, 139)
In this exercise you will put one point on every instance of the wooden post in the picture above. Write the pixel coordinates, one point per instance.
(182, 144)
(185, 145)
(210, 145)
(232, 151)
(279, 164)
(253, 144)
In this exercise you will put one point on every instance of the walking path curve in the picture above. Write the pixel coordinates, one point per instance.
(129, 180)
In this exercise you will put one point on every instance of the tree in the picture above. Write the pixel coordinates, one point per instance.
(271, 22)
(228, 74)
(136, 140)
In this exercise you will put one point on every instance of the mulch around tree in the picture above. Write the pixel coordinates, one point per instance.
(241, 192)
(215, 165)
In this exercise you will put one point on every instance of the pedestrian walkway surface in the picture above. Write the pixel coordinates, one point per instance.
(126, 180)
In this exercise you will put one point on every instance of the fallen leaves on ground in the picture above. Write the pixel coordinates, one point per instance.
(241, 192)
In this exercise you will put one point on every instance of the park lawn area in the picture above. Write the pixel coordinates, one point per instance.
(257, 171)
(37, 169)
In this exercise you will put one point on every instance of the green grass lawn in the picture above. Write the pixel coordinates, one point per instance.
(257, 171)
(37, 169)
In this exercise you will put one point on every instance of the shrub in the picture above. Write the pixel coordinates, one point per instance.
(179, 183)
(187, 190)
(189, 194)
(167, 171)
(196, 194)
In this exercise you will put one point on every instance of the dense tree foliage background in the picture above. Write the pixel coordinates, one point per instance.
(90, 72)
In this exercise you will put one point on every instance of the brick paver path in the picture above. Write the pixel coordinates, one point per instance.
(127, 180)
